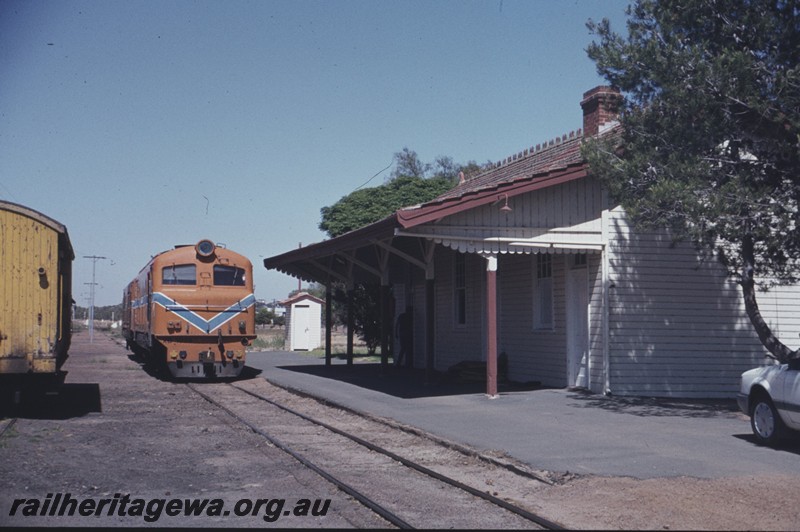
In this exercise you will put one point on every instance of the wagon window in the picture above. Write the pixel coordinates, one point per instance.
(180, 274)
(228, 276)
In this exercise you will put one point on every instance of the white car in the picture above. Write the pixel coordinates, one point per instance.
(770, 395)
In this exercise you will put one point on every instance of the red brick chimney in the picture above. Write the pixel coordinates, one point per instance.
(600, 106)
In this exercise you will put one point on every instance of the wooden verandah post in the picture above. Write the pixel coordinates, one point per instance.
(491, 326)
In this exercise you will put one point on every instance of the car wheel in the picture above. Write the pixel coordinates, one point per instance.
(766, 423)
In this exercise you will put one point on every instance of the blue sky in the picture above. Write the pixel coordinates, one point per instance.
(144, 124)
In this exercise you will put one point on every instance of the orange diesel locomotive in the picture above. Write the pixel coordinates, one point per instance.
(192, 309)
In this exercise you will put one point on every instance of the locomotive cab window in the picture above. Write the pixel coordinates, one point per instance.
(228, 276)
(183, 274)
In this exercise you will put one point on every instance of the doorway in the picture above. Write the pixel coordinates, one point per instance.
(577, 294)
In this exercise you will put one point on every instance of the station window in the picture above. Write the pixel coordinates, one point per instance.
(184, 274)
(228, 276)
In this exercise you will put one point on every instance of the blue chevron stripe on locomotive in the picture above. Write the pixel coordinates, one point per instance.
(198, 321)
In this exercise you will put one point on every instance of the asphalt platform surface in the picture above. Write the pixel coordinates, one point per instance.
(558, 430)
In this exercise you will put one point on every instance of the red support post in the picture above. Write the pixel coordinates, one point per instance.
(491, 326)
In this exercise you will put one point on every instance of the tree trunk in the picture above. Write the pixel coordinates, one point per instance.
(777, 349)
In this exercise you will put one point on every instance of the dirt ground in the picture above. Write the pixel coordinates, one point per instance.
(115, 429)
(116, 432)
(618, 503)
(609, 503)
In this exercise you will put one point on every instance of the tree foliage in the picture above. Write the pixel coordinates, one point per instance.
(709, 144)
(108, 312)
(267, 316)
(413, 182)
(368, 205)
(408, 164)
(366, 312)
(264, 316)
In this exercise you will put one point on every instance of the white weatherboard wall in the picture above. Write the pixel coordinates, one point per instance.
(661, 320)
(780, 306)
(677, 324)
(456, 342)
(534, 354)
(566, 212)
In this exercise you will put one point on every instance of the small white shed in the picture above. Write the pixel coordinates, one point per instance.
(303, 322)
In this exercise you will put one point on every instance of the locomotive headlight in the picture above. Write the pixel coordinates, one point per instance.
(205, 248)
(242, 326)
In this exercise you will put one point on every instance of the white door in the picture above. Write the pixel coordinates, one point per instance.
(301, 323)
(577, 323)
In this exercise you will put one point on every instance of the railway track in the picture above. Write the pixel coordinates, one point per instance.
(6, 425)
(409, 480)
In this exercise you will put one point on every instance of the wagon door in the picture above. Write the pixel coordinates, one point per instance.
(28, 294)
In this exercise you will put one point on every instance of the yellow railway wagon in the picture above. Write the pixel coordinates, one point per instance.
(35, 297)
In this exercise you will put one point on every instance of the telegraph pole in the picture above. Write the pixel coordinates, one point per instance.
(94, 258)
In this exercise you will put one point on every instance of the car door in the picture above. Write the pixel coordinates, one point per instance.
(790, 402)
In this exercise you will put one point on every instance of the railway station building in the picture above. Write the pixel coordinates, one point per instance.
(531, 263)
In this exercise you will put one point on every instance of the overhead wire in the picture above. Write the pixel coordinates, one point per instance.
(373, 177)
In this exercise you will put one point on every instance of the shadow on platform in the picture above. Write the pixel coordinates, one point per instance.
(71, 400)
(407, 383)
(790, 443)
(656, 406)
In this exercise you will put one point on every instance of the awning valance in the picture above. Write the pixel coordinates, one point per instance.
(537, 241)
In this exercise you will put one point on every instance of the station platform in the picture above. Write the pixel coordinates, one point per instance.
(553, 429)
